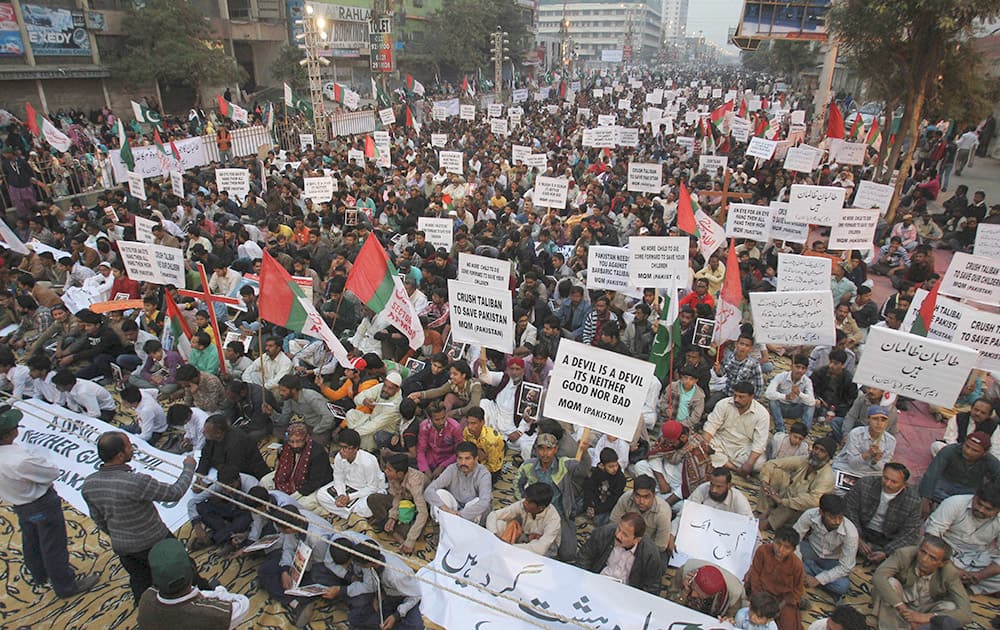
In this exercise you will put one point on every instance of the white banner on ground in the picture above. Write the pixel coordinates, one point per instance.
(658, 261)
(597, 388)
(481, 315)
(70, 446)
(761, 148)
(854, 229)
(467, 112)
(725, 539)
(987, 240)
(148, 163)
(972, 277)
(793, 318)
(144, 229)
(963, 324)
(387, 116)
(818, 205)
(177, 184)
(452, 161)
(712, 163)
(607, 268)
(136, 187)
(440, 231)
(784, 230)
(913, 366)
(439, 139)
(803, 273)
(10, 240)
(550, 192)
(236, 181)
(871, 195)
(746, 220)
(466, 550)
(483, 271)
(319, 189)
(645, 178)
(145, 262)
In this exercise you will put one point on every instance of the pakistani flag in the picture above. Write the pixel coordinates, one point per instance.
(144, 114)
(667, 342)
(296, 102)
(125, 150)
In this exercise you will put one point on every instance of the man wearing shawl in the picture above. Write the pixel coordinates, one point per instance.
(303, 467)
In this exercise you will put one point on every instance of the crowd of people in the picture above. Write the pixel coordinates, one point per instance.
(396, 435)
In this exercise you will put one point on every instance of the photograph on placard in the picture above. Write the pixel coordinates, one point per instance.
(704, 330)
(454, 350)
(529, 402)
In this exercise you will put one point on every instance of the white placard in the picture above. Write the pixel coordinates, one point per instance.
(987, 240)
(962, 324)
(746, 220)
(818, 205)
(645, 178)
(607, 268)
(583, 112)
(625, 104)
(494, 110)
(452, 161)
(597, 388)
(144, 229)
(439, 231)
(799, 159)
(387, 116)
(177, 184)
(712, 163)
(537, 160)
(606, 120)
(791, 318)
(357, 156)
(740, 129)
(467, 112)
(784, 230)
(658, 261)
(519, 96)
(627, 136)
(711, 235)
(803, 273)
(761, 148)
(872, 195)
(798, 117)
(499, 126)
(481, 315)
(854, 229)
(136, 187)
(973, 277)
(514, 118)
(726, 539)
(716, 92)
(550, 192)
(688, 143)
(598, 93)
(483, 271)
(439, 139)
(850, 153)
(600, 137)
(236, 181)
(319, 189)
(70, 446)
(519, 153)
(916, 367)
(655, 97)
(306, 140)
(145, 262)
(439, 113)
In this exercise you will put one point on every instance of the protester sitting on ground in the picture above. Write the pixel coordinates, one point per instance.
(643, 501)
(532, 523)
(738, 366)
(86, 397)
(464, 488)
(778, 572)
(793, 485)
(971, 525)
(791, 394)
(857, 415)
(624, 553)
(868, 448)
(491, 444)
(829, 545)
(227, 445)
(376, 409)
(159, 370)
(307, 404)
(958, 469)
(679, 462)
(979, 418)
(790, 444)
(356, 475)
(403, 511)
(709, 589)
(737, 429)
(198, 389)
(886, 512)
(603, 487)
(150, 419)
(303, 467)
(684, 401)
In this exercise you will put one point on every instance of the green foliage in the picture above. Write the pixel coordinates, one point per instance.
(782, 58)
(172, 42)
(286, 68)
(458, 36)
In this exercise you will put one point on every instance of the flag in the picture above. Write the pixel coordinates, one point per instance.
(125, 151)
(43, 129)
(874, 137)
(411, 121)
(685, 213)
(290, 96)
(269, 116)
(465, 86)
(287, 306)
(379, 96)
(176, 333)
(174, 151)
(835, 122)
(707, 137)
(897, 121)
(232, 110)
(144, 114)
(370, 145)
(412, 85)
(667, 342)
(162, 154)
(718, 116)
(728, 313)
(373, 279)
(922, 323)
(857, 128)
(743, 108)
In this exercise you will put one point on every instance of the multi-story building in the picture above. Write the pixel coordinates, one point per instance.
(634, 28)
(675, 17)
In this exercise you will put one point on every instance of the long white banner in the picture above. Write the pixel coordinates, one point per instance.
(148, 163)
(71, 446)
(535, 585)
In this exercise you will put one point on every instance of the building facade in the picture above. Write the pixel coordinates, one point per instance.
(635, 29)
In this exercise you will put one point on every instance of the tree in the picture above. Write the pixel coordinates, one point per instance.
(459, 35)
(287, 69)
(785, 58)
(172, 43)
(903, 47)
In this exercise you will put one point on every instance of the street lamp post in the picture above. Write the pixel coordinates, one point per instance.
(501, 46)
(313, 37)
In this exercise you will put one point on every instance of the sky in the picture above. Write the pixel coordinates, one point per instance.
(714, 17)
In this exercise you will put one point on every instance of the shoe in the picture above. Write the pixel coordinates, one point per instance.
(82, 584)
(304, 615)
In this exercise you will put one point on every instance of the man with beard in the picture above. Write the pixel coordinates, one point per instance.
(829, 545)
(791, 485)
(303, 467)
(623, 553)
(464, 488)
(886, 512)
(597, 321)
(679, 462)
(971, 525)
(376, 409)
(501, 402)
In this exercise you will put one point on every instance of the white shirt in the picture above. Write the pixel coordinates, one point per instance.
(859, 440)
(26, 473)
(363, 475)
(781, 385)
(274, 369)
(89, 398)
(953, 521)
(152, 419)
(48, 392)
(735, 501)
(21, 382)
(840, 544)
(194, 429)
(883, 507)
(968, 140)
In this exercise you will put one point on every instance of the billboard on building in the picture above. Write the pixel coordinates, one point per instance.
(11, 44)
(381, 44)
(784, 19)
(56, 32)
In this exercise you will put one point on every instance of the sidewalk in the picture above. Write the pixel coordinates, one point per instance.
(983, 175)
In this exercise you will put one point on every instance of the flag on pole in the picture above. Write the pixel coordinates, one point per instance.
(232, 110)
(370, 145)
(922, 323)
(373, 279)
(728, 313)
(743, 108)
(287, 306)
(685, 213)
(411, 121)
(667, 342)
(269, 116)
(874, 137)
(43, 129)
(412, 85)
(835, 122)
(378, 95)
(125, 151)
(162, 154)
(857, 128)
(144, 114)
(176, 333)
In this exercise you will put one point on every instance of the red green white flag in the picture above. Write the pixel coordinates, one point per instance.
(922, 324)
(177, 333)
(232, 110)
(728, 313)
(373, 279)
(283, 302)
(43, 129)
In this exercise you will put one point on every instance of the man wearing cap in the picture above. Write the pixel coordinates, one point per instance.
(679, 461)
(26, 476)
(707, 588)
(303, 467)
(791, 485)
(376, 409)
(971, 525)
(868, 448)
(958, 469)
(623, 552)
(307, 404)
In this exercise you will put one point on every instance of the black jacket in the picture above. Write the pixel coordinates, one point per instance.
(647, 570)
(235, 449)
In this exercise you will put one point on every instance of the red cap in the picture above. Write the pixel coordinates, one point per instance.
(672, 430)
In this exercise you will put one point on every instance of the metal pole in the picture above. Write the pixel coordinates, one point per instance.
(313, 71)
